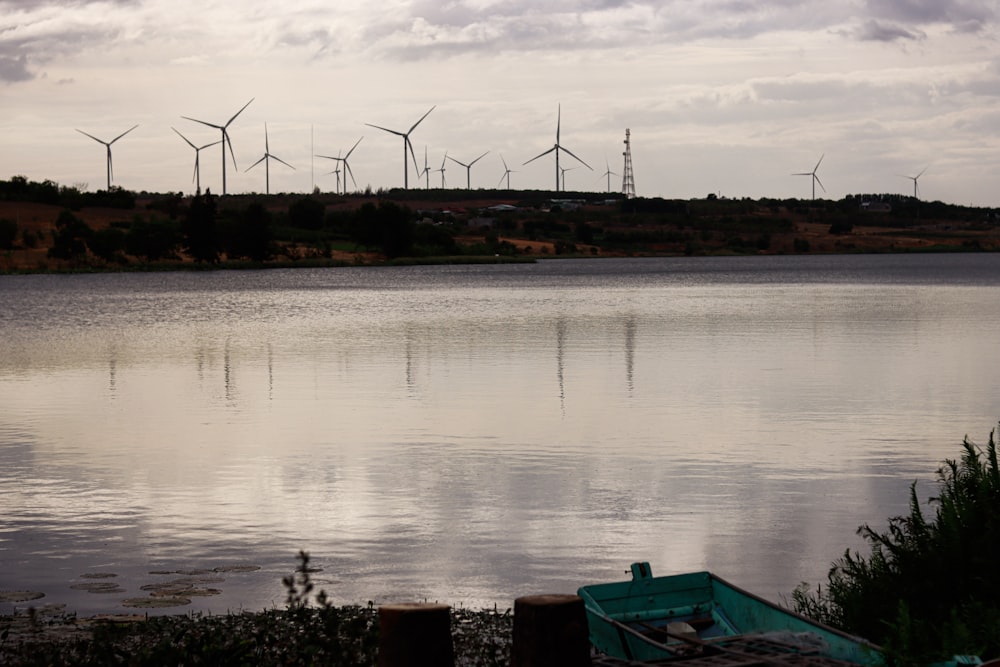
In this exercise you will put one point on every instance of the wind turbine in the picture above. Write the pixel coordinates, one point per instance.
(442, 169)
(347, 166)
(564, 170)
(197, 159)
(406, 145)
(558, 147)
(608, 173)
(225, 139)
(266, 159)
(914, 179)
(427, 170)
(506, 172)
(107, 145)
(468, 169)
(815, 178)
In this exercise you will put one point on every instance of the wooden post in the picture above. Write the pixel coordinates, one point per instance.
(415, 635)
(550, 631)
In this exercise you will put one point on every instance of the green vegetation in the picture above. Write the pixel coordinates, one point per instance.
(930, 588)
(309, 631)
(433, 224)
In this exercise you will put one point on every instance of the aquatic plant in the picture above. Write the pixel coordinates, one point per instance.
(930, 588)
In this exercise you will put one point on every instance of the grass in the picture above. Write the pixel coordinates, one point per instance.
(308, 631)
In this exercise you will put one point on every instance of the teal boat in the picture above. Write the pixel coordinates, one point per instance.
(698, 619)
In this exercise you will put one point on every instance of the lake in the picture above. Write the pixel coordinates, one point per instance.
(470, 434)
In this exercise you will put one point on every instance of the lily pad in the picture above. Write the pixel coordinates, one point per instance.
(98, 587)
(20, 596)
(155, 603)
(237, 568)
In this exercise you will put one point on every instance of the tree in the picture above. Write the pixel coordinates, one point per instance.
(108, 244)
(387, 227)
(8, 233)
(929, 589)
(201, 239)
(153, 239)
(249, 234)
(70, 238)
(306, 213)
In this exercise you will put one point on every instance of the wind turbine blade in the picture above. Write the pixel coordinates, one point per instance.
(347, 168)
(454, 160)
(123, 134)
(443, 159)
(819, 181)
(504, 162)
(203, 122)
(558, 122)
(185, 139)
(329, 157)
(255, 164)
(239, 112)
(479, 158)
(921, 173)
(352, 148)
(414, 126)
(541, 155)
(267, 147)
(282, 161)
(100, 141)
(385, 129)
(817, 164)
(578, 159)
(209, 145)
(409, 144)
(500, 182)
(229, 142)
(803, 173)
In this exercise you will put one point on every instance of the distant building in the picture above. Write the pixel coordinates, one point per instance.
(875, 207)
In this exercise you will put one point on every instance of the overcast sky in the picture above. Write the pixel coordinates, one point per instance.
(722, 96)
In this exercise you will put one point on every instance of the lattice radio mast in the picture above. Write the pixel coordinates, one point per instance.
(628, 179)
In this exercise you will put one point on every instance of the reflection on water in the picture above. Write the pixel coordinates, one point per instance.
(471, 434)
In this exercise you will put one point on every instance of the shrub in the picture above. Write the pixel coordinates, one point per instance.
(929, 589)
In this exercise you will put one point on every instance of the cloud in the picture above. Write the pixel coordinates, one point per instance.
(14, 69)
(876, 31)
(963, 16)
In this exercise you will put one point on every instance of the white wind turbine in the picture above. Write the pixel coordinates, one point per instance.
(608, 173)
(558, 147)
(197, 159)
(468, 169)
(426, 173)
(347, 166)
(107, 145)
(266, 159)
(564, 170)
(914, 179)
(506, 172)
(225, 139)
(407, 146)
(442, 169)
(815, 178)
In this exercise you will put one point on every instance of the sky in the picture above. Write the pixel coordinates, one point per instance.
(730, 97)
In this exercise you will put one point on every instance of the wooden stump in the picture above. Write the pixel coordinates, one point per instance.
(415, 635)
(550, 631)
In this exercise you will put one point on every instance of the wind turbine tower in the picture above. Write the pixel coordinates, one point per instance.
(107, 145)
(266, 159)
(225, 139)
(628, 179)
(506, 172)
(347, 166)
(407, 146)
(442, 169)
(468, 169)
(608, 173)
(914, 179)
(815, 178)
(197, 159)
(558, 147)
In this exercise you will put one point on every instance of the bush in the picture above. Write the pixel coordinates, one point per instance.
(8, 233)
(930, 589)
